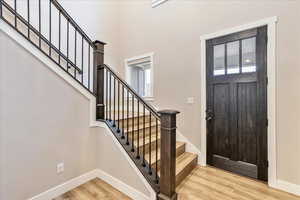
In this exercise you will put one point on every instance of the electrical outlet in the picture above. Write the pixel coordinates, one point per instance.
(190, 100)
(60, 168)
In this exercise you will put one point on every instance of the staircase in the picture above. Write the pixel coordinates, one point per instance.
(147, 135)
(185, 161)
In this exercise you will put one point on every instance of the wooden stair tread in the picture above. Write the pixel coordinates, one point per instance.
(183, 160)
(130, 114)
(153, 153)
(141, 127)
(147, 140)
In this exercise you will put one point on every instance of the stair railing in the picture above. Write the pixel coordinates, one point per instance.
(151, 140)
(47, 26)
(148, 136)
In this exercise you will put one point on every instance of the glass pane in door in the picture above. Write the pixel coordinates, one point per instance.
(219, 60)
(249, 55)
(233, 57)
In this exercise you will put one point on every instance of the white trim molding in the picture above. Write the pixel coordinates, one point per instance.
(132, 164)
(156, 3)
(97, 173)
(140, 57)
(121, 186)
(65, 187)
(271, 68)
(288, 187)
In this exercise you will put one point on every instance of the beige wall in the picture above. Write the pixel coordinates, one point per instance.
(100, 20)
(44, 121)
(111, 160)
(172, 31)
(34, 137)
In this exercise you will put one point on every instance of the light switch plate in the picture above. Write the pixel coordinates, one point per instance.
(60, 167)
(190, 100)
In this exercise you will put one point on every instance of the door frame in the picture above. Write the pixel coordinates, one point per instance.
(271, 23)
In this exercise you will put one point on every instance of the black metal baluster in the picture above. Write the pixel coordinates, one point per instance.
(114, 122)
(156, 145)
(16, 22)
(106, 92)
(68, 27)
(123, 113)
(59, 36)
(127, 142)
(132, 134)
(50, 28)
(28, 18)
(89, 66)
(118, 106)
(82, 58)
(150, 171)
(144, 120)
(138, 130)
(110, 118)
(75, 51)
(1, 8)
(40, 24)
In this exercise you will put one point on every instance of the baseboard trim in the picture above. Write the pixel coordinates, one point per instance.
(287, 187)
(121, 186)
(132, 164)
(97, 173)
(67, 186)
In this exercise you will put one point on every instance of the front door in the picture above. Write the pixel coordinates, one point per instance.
(237, 103)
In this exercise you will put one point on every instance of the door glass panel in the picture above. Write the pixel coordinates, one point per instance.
(233, 57)
(249, 55)
(219, 59)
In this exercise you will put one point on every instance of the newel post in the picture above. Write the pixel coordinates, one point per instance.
(168, 155)
(98, 79)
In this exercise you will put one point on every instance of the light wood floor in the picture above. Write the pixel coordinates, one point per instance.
(204, 183)
(207, 183)
(94, 190)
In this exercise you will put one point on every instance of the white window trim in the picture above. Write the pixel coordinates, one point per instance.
(127, 77)
(271, 73)
(156, 3)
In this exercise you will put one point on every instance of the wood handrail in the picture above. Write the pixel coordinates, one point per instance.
(71, 20)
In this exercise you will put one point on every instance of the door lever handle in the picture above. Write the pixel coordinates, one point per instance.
(208, 118)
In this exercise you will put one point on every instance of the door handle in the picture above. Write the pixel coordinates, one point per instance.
(208, 118)
(209, 115)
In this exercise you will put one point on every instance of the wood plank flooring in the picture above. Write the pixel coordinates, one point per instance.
(207, 183)
(204, 183)
(94, 190)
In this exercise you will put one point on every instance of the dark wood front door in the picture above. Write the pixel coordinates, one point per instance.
(237, 103)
